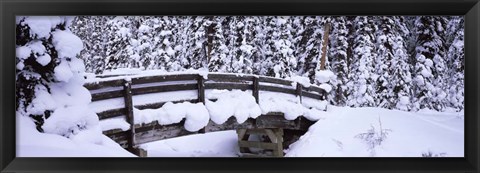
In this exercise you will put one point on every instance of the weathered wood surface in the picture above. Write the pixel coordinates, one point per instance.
(129, 114)
(274, 141)
(153, 131)
(143, 133)
(228, 86)
(104, 84)
(111, 113)
(164, 78)
(160, 104)
(230, 78)
(164, 88)
(107, 95)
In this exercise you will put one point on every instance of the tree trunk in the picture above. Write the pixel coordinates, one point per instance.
(324, 47)
(210, 32)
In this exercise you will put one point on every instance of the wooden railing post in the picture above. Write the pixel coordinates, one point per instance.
(201, 89)
(201, 95)
(256, 88)
(127, 87)
(299, 91)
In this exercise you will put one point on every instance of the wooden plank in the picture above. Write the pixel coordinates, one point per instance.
(241, 133)
(120, 137)
(155, 132)
(104, 84)
(164, 88)
(278, 151)
(256, 131)
(255, 144)
(230, 78)
(316, 89)
(160, 104)
(112, 131)
(107, 95)
(129, 113)
(254, 155)
(163, 78)
(228, 86)
(111, 113)
(230, 124)
(256, 89)
(271, 135)
(274, 121)
(275, 81)
(312, 95)
(277, 89)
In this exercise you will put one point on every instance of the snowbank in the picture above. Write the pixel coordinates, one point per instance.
(31, 143)
(409, 134)
(235, 103)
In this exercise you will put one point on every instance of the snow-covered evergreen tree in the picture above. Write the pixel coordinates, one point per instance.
(92, 31)
(119, 33)
(195, 46)
(164, 53)
(280, 47)
(243, 45)
(430, 67)
(362, 76)
(408, 63)
(50, 77)
(456, 63)
(309, 47)
(218, 61)
(338, 56)
(260, 31)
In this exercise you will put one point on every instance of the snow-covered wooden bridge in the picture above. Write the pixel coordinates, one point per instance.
(279, 130)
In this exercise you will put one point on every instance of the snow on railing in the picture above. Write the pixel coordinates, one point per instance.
(140, 84)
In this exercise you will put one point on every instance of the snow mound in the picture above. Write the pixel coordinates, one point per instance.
(66, 44)
(409, 134)
(196, 115)
(239, 104)
(324, 76)
(41, 26)
(305, 81)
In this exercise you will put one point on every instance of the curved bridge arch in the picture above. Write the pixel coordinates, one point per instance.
(127, 86)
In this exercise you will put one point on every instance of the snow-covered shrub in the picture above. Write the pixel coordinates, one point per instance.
(433, 154)
(50, 78)
(374, 137)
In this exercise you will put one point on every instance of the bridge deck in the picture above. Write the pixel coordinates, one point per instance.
(143, 133)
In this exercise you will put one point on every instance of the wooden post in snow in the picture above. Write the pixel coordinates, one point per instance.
(324, 46)
(201, 95)
(127, 87)
(255, 91)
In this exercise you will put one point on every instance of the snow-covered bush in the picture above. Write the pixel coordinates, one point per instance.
(49, 78)
(433, 154)
(374, 136)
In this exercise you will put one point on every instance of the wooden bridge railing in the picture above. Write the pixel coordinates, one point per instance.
(143, 133)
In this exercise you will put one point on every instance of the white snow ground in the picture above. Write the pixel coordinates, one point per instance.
(31, 143)
(335, 135)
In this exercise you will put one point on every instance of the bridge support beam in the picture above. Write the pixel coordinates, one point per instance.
(138, 151)
(273, 141)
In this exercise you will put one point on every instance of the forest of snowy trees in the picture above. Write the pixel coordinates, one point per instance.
(395, 62)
